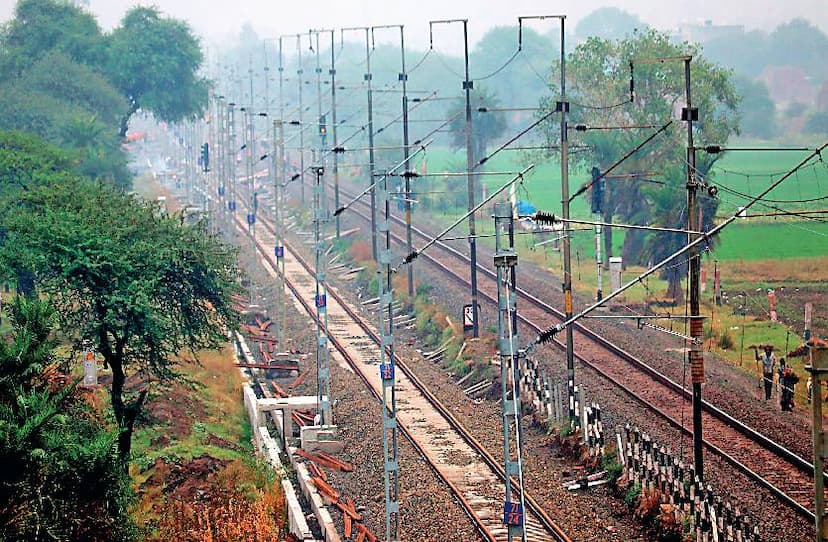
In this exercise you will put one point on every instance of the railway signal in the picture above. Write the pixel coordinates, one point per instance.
(205, 157)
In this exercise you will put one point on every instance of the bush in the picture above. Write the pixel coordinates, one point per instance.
(725, 340)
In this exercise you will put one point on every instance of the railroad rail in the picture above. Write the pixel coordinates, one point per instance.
(726, 436)
(468, 469)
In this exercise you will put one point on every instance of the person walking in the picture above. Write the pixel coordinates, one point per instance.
(787, 381)
(768, 364)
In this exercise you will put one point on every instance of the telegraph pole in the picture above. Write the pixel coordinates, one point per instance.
(468, 84)
(505, 261)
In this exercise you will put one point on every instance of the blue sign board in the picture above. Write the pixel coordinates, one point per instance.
(512, 513)
(387, 371)
(279, 251)
(251, 218)
(321, 301)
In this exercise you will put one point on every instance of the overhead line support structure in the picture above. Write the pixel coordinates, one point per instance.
(371, 158)
(468, 85)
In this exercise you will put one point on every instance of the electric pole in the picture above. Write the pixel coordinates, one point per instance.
(505, 261)
(332, 73)
(299, 73)
(690, 114)
(563, 108)
(468, 84)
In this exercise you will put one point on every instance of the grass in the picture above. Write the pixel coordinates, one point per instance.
(753, 239)
(215, 408)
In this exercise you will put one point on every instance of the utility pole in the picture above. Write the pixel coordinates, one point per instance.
(322, 122)
(323, 371)
(387, 371)
(818, 369)
(563, 108)
(332, 73)
(371, 159)
(406, 152)
(220, 161)
(690, 114)
(468, 85)
(299, 73)
(505, 261)
(280, 191)
(232, 149)
(278, 173)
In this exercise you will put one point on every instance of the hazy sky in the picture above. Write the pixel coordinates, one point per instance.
(217, 18)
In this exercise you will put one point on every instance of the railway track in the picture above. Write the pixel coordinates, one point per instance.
(785, 474)
(472, 474)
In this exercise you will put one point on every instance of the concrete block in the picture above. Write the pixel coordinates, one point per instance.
(320, 437)
(297, 523)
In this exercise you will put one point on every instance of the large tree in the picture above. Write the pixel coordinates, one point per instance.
(155, 61)
(141, 286)
(42, 26)
(598, 73)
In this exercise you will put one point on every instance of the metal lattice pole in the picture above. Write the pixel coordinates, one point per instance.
(278, 170)
(387, 371)
(332, 73)
(505, 260)
(232, 149)
(320, 219)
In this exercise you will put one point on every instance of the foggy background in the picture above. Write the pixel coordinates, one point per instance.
(219, 19)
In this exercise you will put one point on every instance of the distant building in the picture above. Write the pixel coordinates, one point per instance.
(707, 31)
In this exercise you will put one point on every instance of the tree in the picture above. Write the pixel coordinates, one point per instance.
(488, 124)
(756, 108)
(598, 76)
(154, 62)
(43, 26)
(60, 479)
(799, 43)
(140, 286)
(609, 23)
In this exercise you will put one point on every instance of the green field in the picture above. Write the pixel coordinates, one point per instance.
(746, 172)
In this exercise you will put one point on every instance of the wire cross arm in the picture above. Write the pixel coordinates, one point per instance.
(415, 253)
(549, 333)
(421, 148)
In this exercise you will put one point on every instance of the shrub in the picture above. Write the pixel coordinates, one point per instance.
(725, 340)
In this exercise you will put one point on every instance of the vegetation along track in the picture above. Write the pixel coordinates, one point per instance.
(781, 471)
(470, 471)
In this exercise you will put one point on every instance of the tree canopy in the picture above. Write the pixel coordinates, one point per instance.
(598, 74)
(140, 286)
(154, 61)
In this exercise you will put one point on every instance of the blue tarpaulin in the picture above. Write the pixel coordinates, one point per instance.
(524, 208)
